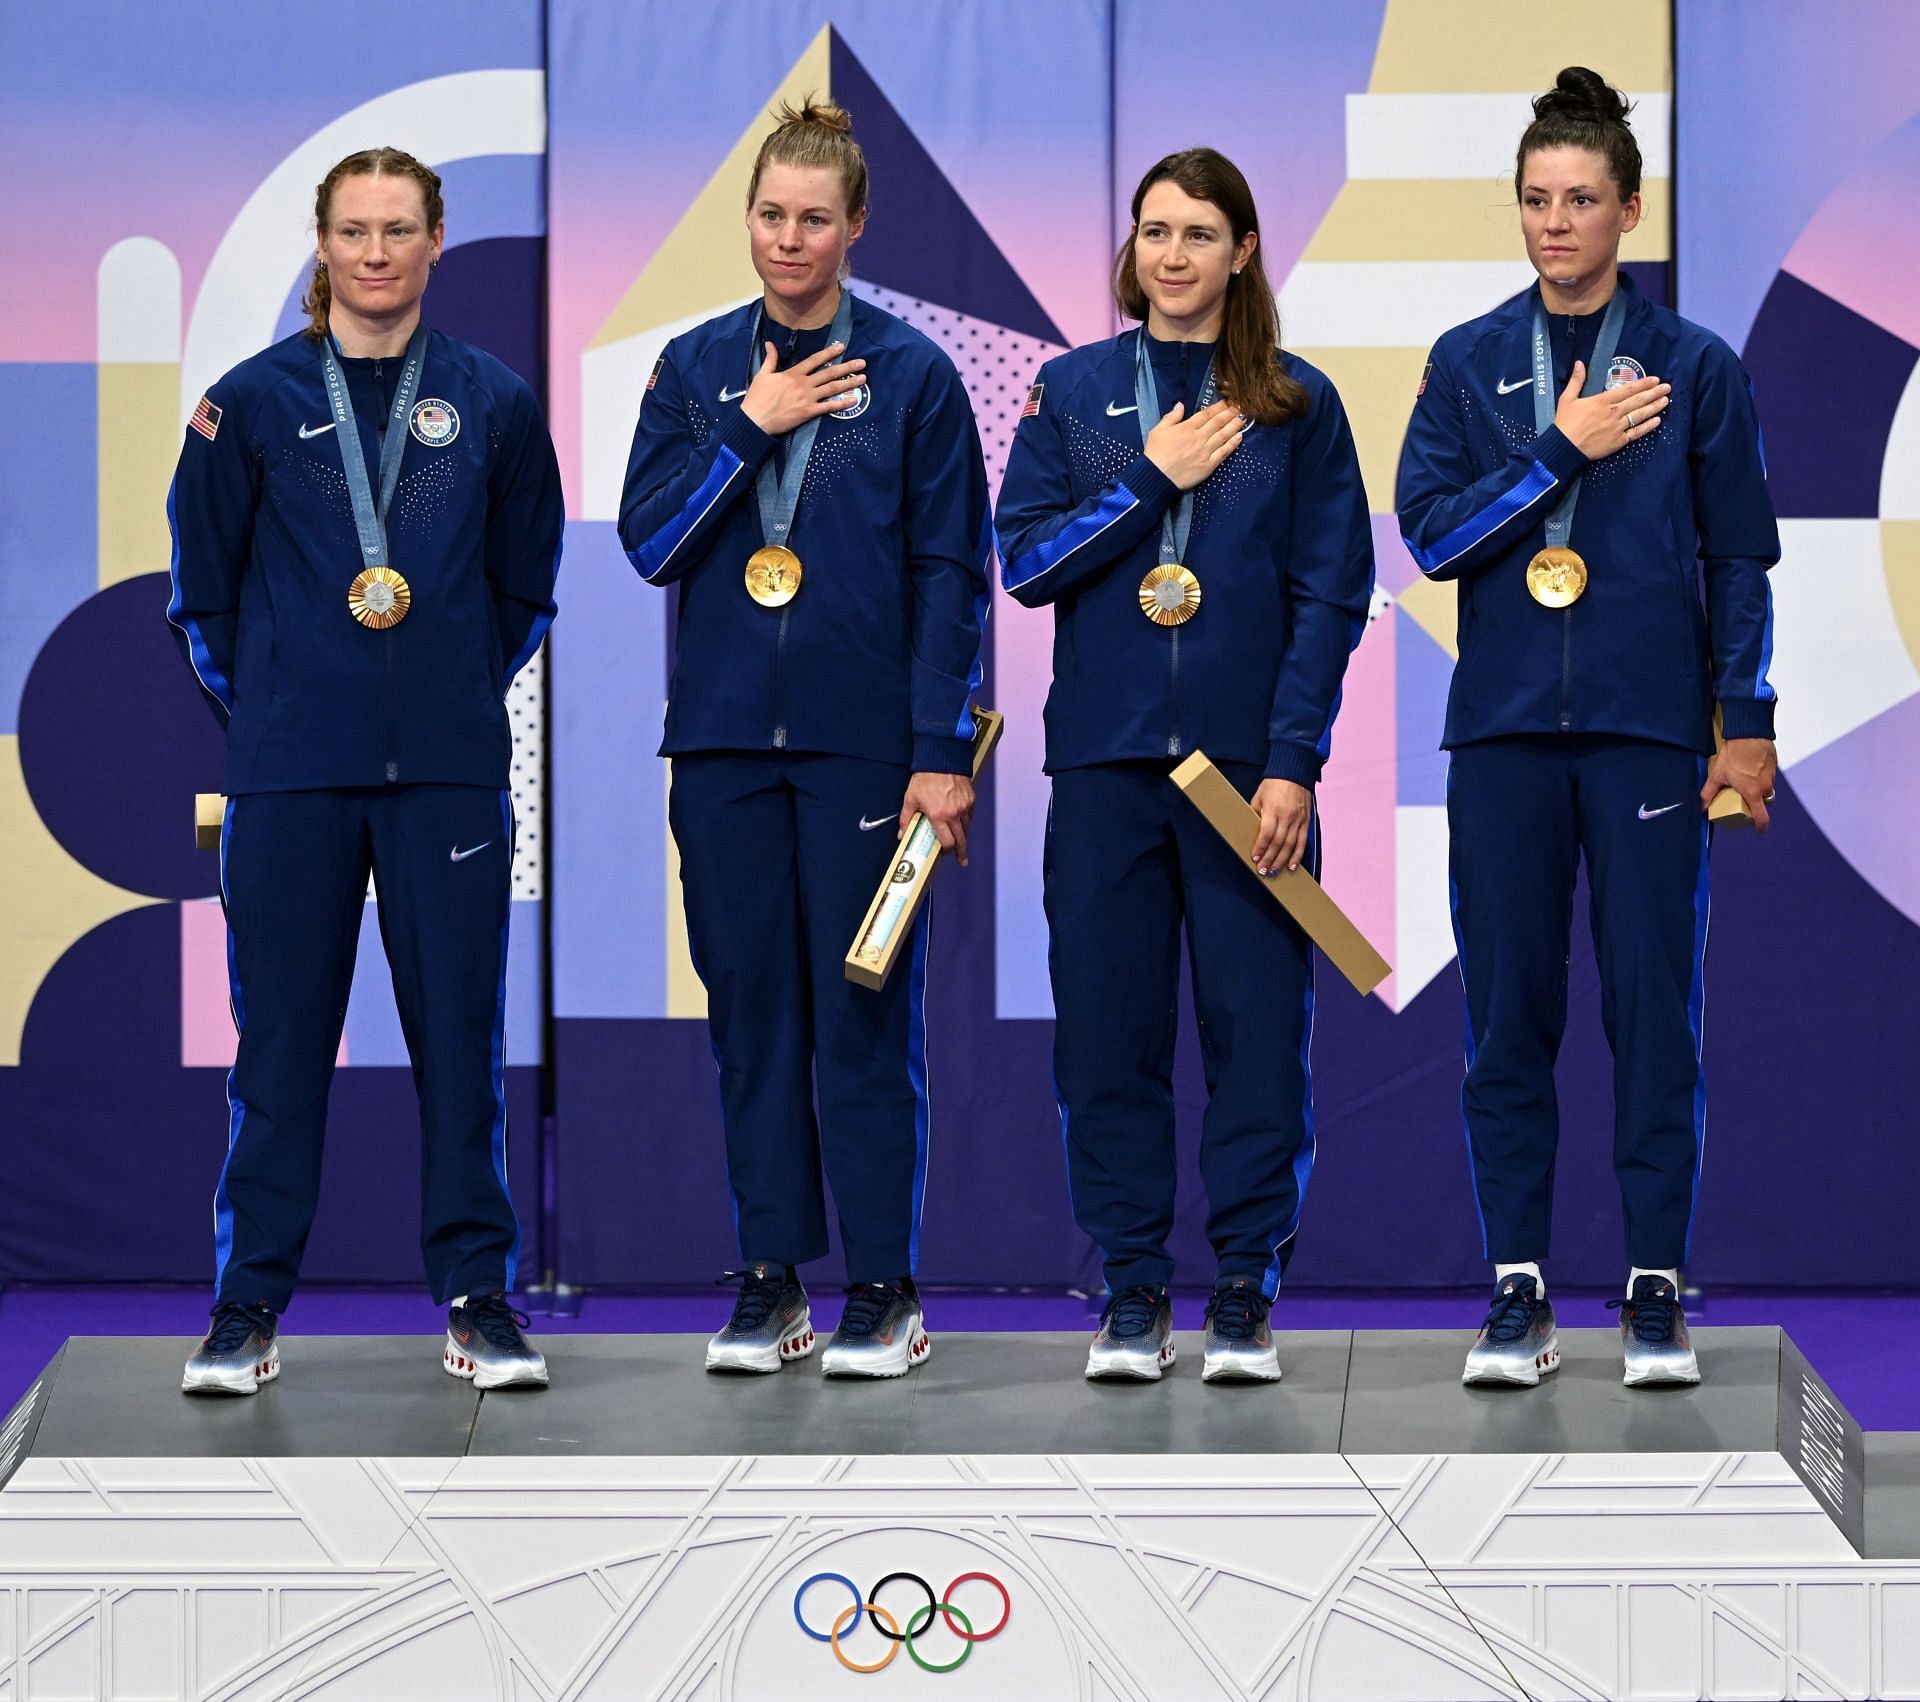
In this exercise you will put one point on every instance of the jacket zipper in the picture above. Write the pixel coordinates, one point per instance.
(1566, 670)
(780, 681)
(1173, 722)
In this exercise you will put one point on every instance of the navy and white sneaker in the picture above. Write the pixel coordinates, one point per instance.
(1239, 1337)
(1653, 1335)
(771, 1322)
(240, 1352)
(1135, 1338)
(1519, 1343)
(484, 1344)
(882, 1332)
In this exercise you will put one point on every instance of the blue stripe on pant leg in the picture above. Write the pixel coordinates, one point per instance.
(236, 1106)
(1466, 1025)
(917, 1074)
(500, 1052)
(1697, 1013)
(1303, 1154)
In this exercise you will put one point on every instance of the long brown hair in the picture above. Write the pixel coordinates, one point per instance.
(369, 162)
(815, 133)
(1247, 358)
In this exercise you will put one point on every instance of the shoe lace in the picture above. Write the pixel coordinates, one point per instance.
(759, 1294)
(233, 1322)
(498, 1323)
(1236, 1312)
(1652, 1313)
(1512, 1314)
(867, 1304)
(1131, 1312)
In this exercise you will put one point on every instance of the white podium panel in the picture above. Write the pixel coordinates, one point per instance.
(1143, 1573)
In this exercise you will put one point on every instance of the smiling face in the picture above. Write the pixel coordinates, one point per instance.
(1573, 217)
(1183, 255)
(377, 247)
(800, 232)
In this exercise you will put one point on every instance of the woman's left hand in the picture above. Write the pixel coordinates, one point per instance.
(1286, 812)
(946, 800)
(1748, 766)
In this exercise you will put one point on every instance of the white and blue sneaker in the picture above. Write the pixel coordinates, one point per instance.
(771, 1322)
(241, 1351)
(1519, 1343)
(1653, 1335)
(1135, 1338)
(484, 1344)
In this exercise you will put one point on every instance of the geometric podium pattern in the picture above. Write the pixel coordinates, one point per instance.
(1365, 1529)
(1272, 1576)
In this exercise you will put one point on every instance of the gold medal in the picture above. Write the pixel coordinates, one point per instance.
(773, 576)
(1170, 595)
(379, 598)
(1556, 578)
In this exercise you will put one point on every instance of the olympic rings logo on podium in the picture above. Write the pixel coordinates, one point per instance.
(918, 1622)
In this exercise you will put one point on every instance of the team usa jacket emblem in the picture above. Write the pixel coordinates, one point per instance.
(434, 423)
(206, 420)
(1032, 407)
(858, 406)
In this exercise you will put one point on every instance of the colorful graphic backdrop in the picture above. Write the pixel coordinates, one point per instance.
(596, 172)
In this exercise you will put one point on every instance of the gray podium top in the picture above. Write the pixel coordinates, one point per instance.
(1344, 1392)
(1370, 1392)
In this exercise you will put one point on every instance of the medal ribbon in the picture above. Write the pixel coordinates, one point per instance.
(1178, 520)
(371, 522)
(1560, 520)
(779, 494)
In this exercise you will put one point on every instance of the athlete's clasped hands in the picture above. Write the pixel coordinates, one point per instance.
(778, 401)
(1598, 425)
(1188, 447)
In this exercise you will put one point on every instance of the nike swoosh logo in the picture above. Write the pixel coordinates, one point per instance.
(316, 431)
(1648, 815)
(456, 855)
(727, 395)
(1116, 412)
(878, 821)
(1508, 389)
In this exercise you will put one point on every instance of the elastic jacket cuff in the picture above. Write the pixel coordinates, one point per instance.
(935, 755)
(1558, 453)
(1746, 717)
(1157, 492)
(1289, 761)
(746, 440)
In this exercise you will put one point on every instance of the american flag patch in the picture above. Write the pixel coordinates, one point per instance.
(1426, 373)
(206, 420)
(1033, 402)
(653, 377)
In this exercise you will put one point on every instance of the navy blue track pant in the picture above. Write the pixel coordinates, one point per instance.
(1128, 859)
(1522, 812)
(293, 876)
(780, 854)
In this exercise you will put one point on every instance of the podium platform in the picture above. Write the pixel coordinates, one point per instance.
(369, 1527)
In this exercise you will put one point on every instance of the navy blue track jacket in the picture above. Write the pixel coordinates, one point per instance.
(1281, 544)
(264, 550)
(878, 655)
(1682, 512)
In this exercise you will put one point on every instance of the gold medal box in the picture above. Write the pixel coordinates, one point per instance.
(889, 918)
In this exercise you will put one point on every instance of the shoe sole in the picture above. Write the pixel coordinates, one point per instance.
(1239, 1371)
(797, 1343)
(1525, 1377)
(1132, 1372)
(1655, 1379)
(263, 1372)
(457, 1364)
(898, 1366)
